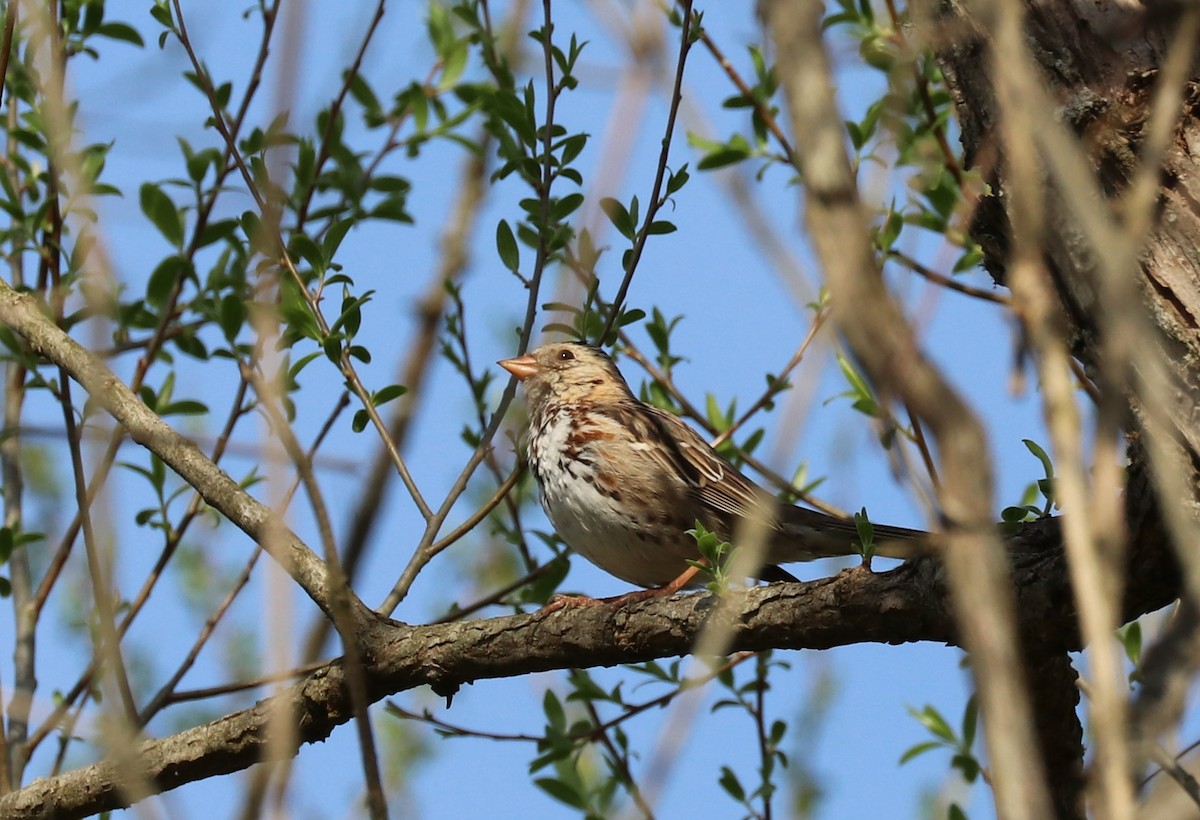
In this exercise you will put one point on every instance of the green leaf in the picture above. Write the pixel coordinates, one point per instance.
(334, 236)
(161, 211)
(231, 315)
(393, 208)
(919, 749)
(565, 207)
(628, 317)
(857, 382)
(163, 280)
(970, 721)
(351, 316)
(932, 720)
(300, 364)
(1036, 449)
(556, 718)
(1131, 639)
(362, 93)
(306, 249)
(677, 180)
(392, 391)
(1015, 515)
(539, 591)
(730, 783)
(621, 219)
(506, 246)
(390, 184)
(121, 31)
(966, 764)
(216, 231)
(560, 791)
(860, 392)
(183, 408)
(866, 534)
(572, 146)
(723, 157)
(889, 232)
(454, 60)
(258, 235)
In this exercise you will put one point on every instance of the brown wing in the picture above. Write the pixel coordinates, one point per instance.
(809, 534)
(717, 483)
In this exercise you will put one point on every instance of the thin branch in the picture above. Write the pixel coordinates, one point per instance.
(949, 157)
(1095, 564)
(340, 596)
(421, 351)
(946, 281)
(335, 108)
(21, 313)
(760, 108)
(657, 200)
(421, 556)
(500, 594)
(284, 259)
(166, 693)
(778, 384)
(208, 692)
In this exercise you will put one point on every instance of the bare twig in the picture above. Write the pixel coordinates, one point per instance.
(341, 597)
(946, 281)
(778, 384)
(1095, 577)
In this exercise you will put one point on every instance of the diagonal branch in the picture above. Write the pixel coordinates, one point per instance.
(22, 313)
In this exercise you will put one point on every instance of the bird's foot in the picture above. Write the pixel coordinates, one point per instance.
(563, 601)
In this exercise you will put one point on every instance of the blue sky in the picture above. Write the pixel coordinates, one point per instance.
(741, 321)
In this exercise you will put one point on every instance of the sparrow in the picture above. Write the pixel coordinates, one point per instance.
(623, 481)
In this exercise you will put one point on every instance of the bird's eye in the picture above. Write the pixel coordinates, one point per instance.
(565, 355)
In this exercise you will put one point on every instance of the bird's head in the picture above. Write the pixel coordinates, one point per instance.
(568, 372)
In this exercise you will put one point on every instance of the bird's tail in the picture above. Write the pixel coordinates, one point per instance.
(805, 535)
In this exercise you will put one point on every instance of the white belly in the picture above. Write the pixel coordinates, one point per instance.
(590, 521)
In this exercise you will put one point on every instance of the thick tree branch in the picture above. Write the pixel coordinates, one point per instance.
(1060, 736)
(904, 605)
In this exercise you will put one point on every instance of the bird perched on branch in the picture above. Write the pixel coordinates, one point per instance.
(622, 481)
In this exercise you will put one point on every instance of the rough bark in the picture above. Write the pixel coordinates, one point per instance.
(904, 605)
(1101, 63)
(1053, 680)
(1100, 60)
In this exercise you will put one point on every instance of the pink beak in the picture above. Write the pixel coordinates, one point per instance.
(522, 367)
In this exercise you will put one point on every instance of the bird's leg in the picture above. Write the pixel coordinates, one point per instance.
(679, 583)
(563, 601)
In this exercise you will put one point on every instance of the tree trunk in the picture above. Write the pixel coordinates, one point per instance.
(1102, 64)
